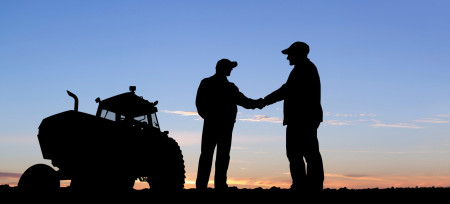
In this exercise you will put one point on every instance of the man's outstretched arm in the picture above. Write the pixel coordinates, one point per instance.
(243, 100)
(246, 102)
(275, 96)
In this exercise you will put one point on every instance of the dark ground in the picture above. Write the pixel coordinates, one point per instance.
(253, 196)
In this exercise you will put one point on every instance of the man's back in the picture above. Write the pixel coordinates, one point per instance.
(217, 99)
(302, 94)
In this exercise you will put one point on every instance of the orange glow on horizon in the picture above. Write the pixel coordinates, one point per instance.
(333, 181)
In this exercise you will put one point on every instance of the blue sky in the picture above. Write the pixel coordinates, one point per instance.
(384, 69)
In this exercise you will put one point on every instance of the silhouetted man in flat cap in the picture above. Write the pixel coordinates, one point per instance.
(302, 117)
(216, 103)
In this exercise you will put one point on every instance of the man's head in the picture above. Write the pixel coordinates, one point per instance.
(224, 67)
(296, 52)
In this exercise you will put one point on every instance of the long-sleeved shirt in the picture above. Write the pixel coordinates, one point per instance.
(301, 95)
(217, 99)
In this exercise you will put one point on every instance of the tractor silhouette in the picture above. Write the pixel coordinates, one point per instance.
(111, 150)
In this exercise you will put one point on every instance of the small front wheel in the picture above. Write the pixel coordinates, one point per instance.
(39, 178)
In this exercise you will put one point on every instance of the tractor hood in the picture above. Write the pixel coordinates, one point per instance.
(128, 103)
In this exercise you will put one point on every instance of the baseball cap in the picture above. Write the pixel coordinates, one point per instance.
(226, 63)
(297, 47)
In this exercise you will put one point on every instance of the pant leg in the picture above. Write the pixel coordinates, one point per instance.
(302, 142)
(313, 158)
(223, 155)
(209, 141)
(295, 156)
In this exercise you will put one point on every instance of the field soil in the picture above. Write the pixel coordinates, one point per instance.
(273, 195)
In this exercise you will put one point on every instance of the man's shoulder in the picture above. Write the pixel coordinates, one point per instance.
(233, 86)
(207, 80)
(306, 63)
(311, 64)
(213, 81)
(305, 67)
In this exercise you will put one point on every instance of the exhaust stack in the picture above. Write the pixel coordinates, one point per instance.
(76, 100)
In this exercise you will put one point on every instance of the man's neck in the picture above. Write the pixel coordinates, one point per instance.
(301, 61)
(220, 76)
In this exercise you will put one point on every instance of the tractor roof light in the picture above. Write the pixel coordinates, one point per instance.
(133, 88)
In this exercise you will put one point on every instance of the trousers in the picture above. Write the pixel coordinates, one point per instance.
(215, 134)
(305, 160)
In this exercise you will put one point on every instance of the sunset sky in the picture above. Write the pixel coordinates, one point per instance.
(384, 68)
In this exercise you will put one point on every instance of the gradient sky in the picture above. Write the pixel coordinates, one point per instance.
(384, 68)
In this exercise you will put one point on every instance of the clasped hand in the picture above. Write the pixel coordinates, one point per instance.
(260, 103)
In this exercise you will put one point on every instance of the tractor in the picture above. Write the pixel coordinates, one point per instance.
(111, 150)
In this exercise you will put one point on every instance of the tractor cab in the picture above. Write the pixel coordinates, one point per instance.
(128, 107)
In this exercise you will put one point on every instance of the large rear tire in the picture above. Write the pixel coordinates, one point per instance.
(39, 178)
(168, 170)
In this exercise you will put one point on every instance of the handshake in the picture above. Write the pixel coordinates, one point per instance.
(260, 103)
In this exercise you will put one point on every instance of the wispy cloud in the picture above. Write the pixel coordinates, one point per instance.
(9, 178)
(338, 122)
(349, 114)
(183, 113)
(239, 148)
(432, 120)
(369, 119)
(353, 176)
(396, 125)
(262, 118)
(367, 114)
(350, 118)
(8, 175)
(378, 152)
(376, 121)
(358, 151)
(343, 115)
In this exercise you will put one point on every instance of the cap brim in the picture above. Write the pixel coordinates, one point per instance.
(286, 51)
(233, 64)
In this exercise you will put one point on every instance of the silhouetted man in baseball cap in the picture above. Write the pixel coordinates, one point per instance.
(302, 117)
(216, 102)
